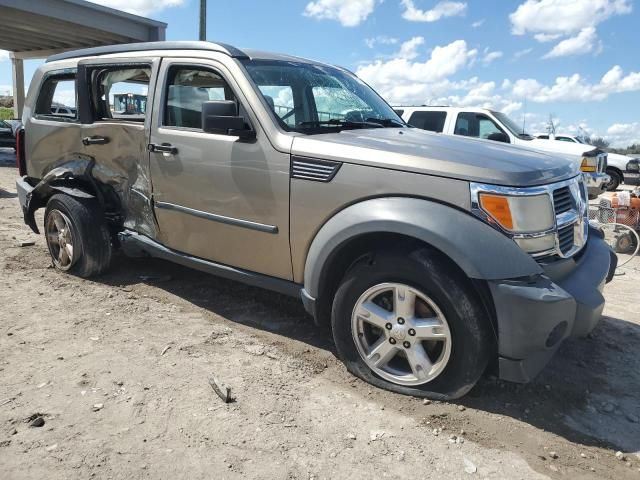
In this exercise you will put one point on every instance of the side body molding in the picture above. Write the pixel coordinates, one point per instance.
(479, 250)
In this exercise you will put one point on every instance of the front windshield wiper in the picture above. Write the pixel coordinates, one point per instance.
(335, 123)
(386, 122)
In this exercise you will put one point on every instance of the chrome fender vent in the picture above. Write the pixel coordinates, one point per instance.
(313, 169)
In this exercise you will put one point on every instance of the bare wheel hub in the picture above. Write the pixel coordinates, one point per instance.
(60, 240)
(401, 334)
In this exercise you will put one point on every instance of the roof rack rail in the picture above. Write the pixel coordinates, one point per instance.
(147, 46)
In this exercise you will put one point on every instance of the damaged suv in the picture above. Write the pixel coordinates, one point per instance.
(431, 257)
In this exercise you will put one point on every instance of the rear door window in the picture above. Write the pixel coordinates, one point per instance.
(57, 98)
(120, 93)
(432, 121)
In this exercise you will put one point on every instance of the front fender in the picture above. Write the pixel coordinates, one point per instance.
(479, 250)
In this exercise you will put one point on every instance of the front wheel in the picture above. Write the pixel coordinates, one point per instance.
(412, 324)
(615, 181)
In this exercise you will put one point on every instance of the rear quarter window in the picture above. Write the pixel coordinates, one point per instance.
(432, 121)
(57, 98)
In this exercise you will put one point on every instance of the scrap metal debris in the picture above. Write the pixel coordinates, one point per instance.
(26, 243)
(164, 350)
(223, 391)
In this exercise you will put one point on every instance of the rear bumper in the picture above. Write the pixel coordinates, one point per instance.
(24, 193)
(535, 315)
(596, 183)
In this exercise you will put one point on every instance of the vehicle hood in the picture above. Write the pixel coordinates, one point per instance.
(555, 146)
(617, 160)
(416, 150)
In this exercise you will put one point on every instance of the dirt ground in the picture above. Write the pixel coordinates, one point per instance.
(118, 369)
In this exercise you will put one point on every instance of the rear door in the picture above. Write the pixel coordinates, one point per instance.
(215, 196)
(117, 137)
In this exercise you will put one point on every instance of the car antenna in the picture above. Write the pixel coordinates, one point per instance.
(524, 115)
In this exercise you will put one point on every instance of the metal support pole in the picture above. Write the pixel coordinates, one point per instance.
(17, 65)
(203, 20)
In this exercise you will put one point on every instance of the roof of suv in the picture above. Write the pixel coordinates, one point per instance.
(176, 45)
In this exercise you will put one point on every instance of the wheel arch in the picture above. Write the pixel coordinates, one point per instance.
(477, 250)
(617, 170)
(74, 178)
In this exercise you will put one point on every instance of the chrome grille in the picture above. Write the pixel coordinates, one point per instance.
(566, 238)
(314, 169)
(562, 200)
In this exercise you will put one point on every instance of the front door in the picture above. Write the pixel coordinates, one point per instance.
(215, 196)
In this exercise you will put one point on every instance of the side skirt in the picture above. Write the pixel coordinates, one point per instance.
(134, 244)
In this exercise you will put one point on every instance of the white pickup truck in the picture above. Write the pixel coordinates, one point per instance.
(621, 168)
(491, 125)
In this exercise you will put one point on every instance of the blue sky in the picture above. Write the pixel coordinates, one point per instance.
(575, 59)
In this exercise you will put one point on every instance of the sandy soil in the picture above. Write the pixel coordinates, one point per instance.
(118, 369)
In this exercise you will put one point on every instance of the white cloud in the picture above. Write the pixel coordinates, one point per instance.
(380, 40)
(547, 37)
(477, 24)
(4, 55)
(623, 134)
(582, 43)
(489, 56)
(409, 49)
(573, 21)
(575, 88)
(522, 53)
(6, 90)
(440, 10)
(564, 16)
(403, 79)
(140, 7)
(349, 13)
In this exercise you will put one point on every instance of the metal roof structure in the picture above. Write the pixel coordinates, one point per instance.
(40, 28)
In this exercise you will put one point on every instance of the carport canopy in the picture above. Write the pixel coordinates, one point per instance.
(39, 28)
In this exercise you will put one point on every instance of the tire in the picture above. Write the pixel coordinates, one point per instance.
(616, 180)
(429, 274)
(81, 222)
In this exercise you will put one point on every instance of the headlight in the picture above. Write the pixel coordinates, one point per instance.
(519, 213)
(589, 164)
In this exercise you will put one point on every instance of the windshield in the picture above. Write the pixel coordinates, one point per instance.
(312, 98)
(512, 125)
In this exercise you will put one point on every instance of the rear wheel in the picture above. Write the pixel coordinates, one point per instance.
(77, 235)
(412, 324)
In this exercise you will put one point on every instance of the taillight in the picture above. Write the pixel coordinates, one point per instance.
(20, 155)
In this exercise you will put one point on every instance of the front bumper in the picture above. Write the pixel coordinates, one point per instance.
(596, 183)
(631, 178)
(536, 314)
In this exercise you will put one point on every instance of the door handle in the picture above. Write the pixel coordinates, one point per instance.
(95, 140)
(162, 148)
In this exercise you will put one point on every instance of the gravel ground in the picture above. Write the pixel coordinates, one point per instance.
(118, 369)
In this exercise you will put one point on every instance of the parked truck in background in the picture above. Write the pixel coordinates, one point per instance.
(496, 126)
(620, 168)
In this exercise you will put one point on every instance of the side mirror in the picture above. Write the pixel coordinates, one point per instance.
(221, 117)
(634, 166)
(499, 137)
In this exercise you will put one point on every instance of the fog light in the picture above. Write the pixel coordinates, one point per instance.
(557, 334)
